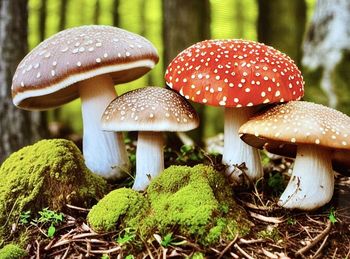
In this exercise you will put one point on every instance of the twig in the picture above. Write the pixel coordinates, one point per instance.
(321, 247)
(242, 251)
(38, 249)
(234, 255)
(266, 219)
(77, 208)
(335, 253)
(269, 254)
(66, 253)
(253, 241)
(228, 247)
(317, 239)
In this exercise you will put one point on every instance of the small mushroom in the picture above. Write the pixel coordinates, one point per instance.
(237, 75)
(150, 110)
(85, 61)
(312, 133)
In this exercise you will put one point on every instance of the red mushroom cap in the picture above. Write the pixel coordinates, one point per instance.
(234, 73)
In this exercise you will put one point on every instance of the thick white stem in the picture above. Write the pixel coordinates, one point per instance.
(312, 182)
(104, 152)
(149, 158)
(236, 151)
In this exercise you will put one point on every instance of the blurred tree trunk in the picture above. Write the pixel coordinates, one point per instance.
(185, 23)
(42, 36)
(42, 19)
(61, 26)
(327, 54)
(97, 12)
(143, 20)
(116, 17)
(281, 24)
(17, 127)
(63, 15)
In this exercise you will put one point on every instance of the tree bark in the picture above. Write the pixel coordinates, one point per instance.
(326, 54)
(281, 24)
(17, 127)
(185, 23)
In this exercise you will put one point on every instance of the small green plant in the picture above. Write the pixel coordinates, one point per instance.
(190, 154)
(53, 218)
(104, 256)
(291, 221)
(276, 183)
(24, 217)
(167, 239)
(270, 232)
(125, 236)
(332, 217)
(129, 257)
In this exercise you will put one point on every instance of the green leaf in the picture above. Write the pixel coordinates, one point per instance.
(51, 231)
(332, 217)
(167, 239)
(129, 257)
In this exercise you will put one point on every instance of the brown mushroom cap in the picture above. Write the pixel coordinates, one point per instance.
(47, 76)
(280, 129)
(150, 109)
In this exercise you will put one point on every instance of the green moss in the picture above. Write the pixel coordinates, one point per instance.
(196, 201)
(50, 174)
(117, 208)
(11, 251)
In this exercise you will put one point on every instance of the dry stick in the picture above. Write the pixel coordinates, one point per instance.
(335, 253)
(77, 208)
(269, 254)
(242, 251)
(321, 247)
(234, 255)
(266, 219)
(316, 240)
(64, 256)
(38, 249)
(253, 241)
(228, 247)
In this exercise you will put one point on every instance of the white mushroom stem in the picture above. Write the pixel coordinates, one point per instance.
(104, 152)
(236, 151)
(149, 158)
(312, 182)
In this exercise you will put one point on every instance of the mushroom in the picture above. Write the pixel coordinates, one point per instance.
(85, 61)
(235, 74)
(312, 133)
(150, 110)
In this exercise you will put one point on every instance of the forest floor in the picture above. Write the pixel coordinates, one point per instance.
(275, 232)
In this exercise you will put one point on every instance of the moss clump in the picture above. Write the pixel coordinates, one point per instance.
(50, 174)
(120, 208)
(197, 202)
(11, 251)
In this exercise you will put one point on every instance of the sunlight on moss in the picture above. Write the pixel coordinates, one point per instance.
(12, 251)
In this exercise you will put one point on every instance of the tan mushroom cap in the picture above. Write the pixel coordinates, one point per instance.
(280, 129)
(150, 109)
(47, 76)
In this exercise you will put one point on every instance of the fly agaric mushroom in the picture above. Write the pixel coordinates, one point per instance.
(235, 74)
(311, 132)
(85, 61)
(150, 110)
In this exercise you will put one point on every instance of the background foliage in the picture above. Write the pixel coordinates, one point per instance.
(229, 19)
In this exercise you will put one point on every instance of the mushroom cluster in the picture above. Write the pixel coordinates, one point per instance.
(85, 61)
(316, 135)
(151, 111)
(235, 74)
